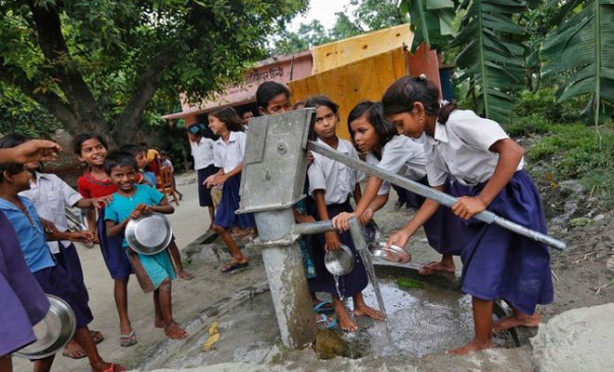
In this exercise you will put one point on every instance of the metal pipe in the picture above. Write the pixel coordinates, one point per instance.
(428, 192)
(310, 228)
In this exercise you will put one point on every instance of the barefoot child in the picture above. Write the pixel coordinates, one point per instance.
(131, 201)
(51, 277)
(331, 184)
(91, 149)
(374, 135)
(477, 153)
(140, 157)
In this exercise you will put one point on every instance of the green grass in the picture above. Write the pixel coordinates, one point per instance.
(574, 151)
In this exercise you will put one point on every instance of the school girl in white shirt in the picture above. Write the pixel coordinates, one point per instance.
(477, 153)
(331, 184)
(228, 155)
(375, 135)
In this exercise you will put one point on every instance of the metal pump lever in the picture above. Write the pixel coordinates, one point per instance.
(427, 192)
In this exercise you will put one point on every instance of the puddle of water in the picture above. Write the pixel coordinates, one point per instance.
(420, 322)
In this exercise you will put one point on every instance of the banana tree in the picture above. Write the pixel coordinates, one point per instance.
(431, 21)
(491, 57)
(582, 48)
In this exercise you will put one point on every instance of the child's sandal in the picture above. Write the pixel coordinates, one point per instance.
(128, 340)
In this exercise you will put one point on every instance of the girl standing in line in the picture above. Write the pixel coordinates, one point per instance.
(374, 135)
(228, 155)
(476, 152)
(331, 184)
(95, 183)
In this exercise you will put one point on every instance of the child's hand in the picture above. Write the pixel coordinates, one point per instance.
(84, 237)
(48, 227)
(215, 180)
(136, 214)
(310, 158)
(468, 206)
(341, 221)
(366, 216)
(332, 241)
(399, 239)
(209, 181)
(102, 201)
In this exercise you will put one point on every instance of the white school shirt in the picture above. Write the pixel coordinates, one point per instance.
(460, 148)
(403, 156)
(202, 152)
(49, 196)
(336, 179)
(229, 155)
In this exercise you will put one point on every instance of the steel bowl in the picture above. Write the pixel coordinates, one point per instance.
(53, 332)
(394, 253)
(339, 262)
(149, 234)
(371, 232)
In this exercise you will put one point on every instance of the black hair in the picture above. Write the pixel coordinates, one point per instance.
(245, 111)
(9, 141)
(321, 100)
(229, 117)
(133, 149)
(298, 105)
(374, 114)
(405, 92)
(269, 90)
(77, 142)
(119, 159)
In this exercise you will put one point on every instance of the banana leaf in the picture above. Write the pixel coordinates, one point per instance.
(582, 48)
(490, 57)
(431, 22)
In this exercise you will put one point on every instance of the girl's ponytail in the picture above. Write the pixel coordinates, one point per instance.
(445, 111)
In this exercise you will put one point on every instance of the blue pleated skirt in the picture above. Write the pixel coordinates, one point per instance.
(499, 264)
(350, 284)
(225, 215)
(444, 231)
(112, 251)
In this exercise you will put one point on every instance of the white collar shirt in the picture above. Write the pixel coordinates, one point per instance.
(460, 148)
(50, 195)
(336, 179)
(202, 152)
(229, 155)
(403, 156)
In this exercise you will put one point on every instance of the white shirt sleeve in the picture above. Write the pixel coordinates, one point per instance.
(315, 173)
(217, 156)
(475, 131)
(71, 196)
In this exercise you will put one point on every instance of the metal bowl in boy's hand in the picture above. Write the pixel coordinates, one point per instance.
(148, 234)
(340, 261)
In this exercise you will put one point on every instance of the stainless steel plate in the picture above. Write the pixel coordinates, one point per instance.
(339, 262)
(149, 234)
(53, 332)
(393, 253)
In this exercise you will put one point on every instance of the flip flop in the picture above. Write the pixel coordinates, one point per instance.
(324, 307)
(325, 322)
(77, 353)
(232, 266)
(128, 340)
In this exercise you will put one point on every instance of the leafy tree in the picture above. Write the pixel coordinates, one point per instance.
(581, 50)
(365, 16)
(96, 65)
